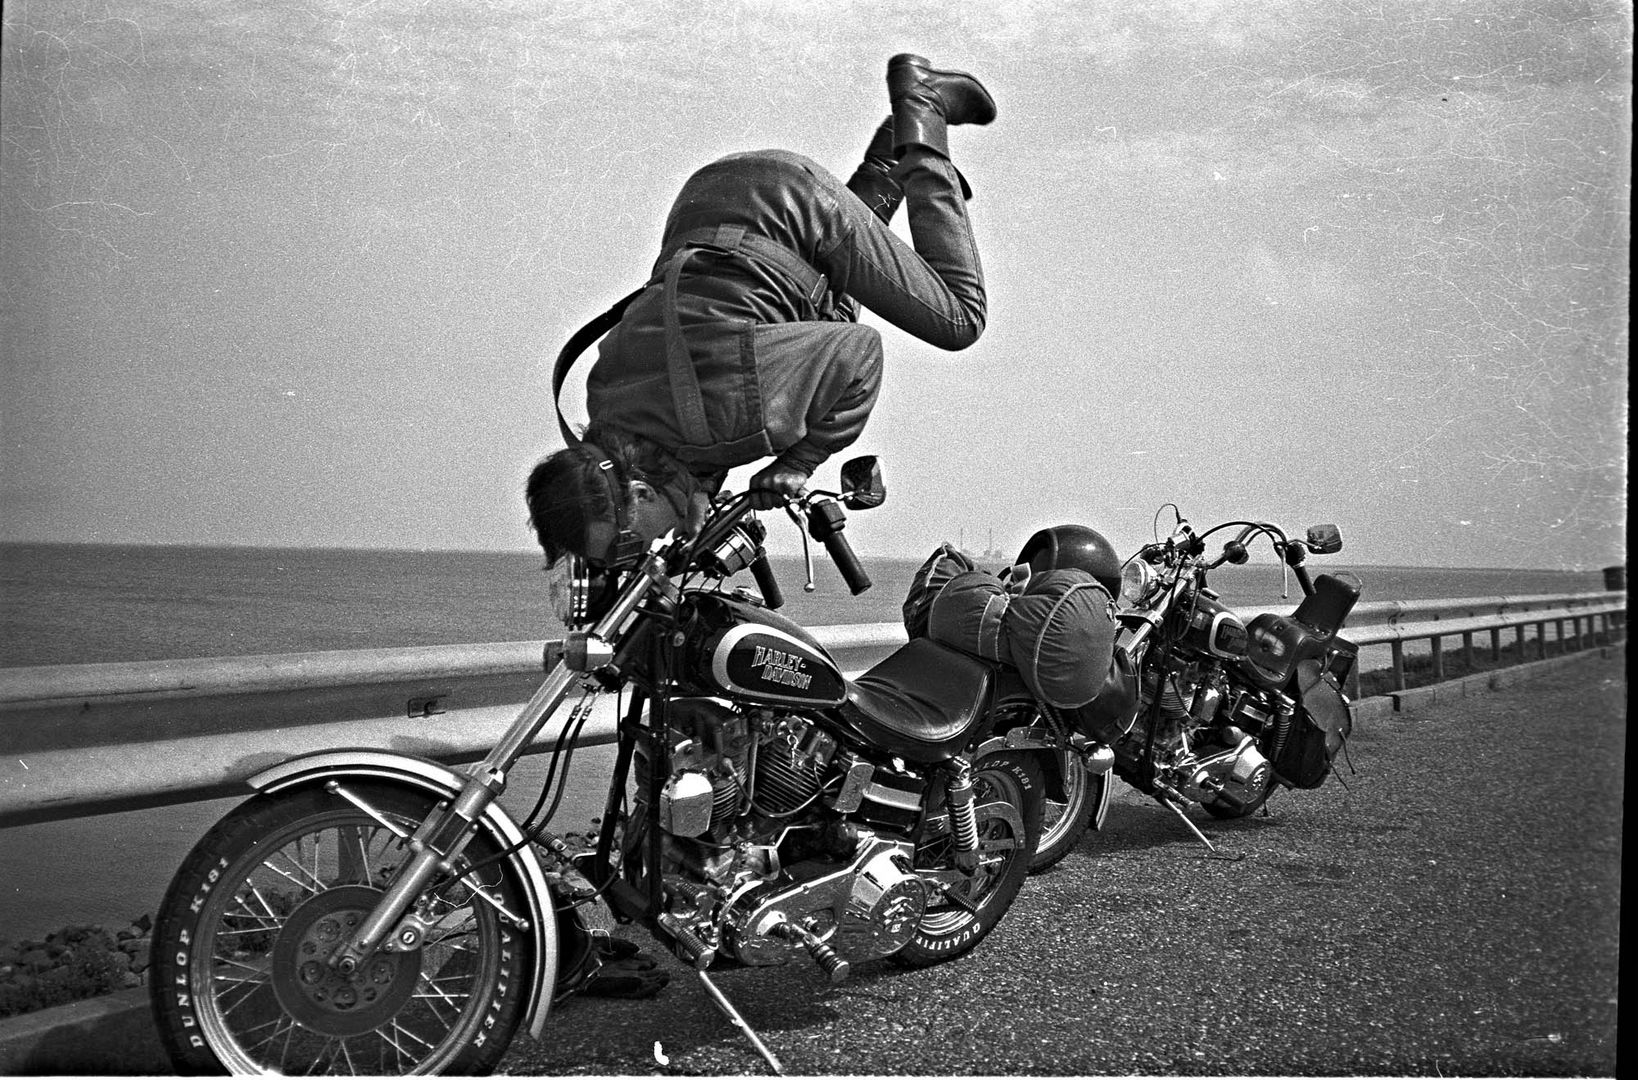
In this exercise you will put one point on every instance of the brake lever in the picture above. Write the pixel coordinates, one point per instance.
(807, 551)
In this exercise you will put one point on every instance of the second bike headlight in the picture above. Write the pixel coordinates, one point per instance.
(1135, 579)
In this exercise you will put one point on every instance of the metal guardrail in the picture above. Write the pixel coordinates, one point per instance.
(1603, 613)
(77, 740)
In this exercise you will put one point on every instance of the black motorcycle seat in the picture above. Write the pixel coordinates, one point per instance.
(921, 702)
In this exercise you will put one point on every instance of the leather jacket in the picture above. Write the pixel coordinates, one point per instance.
(743, 345)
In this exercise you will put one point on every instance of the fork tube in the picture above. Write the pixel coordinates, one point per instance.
(454, 825)
(530, 720)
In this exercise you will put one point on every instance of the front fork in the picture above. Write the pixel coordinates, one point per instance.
(391, 926)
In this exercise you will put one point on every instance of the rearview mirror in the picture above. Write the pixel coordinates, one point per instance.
(1324, 539)
(862, 485)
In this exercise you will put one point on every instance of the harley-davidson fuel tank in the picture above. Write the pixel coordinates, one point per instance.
(748, 652)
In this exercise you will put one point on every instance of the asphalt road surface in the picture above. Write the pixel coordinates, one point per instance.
(1451, 907)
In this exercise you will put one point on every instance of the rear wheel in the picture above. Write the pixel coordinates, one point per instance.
(1008, 794)
(241, 983)
(1064, 823)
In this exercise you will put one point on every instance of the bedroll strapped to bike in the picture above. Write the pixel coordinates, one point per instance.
(1056, 628)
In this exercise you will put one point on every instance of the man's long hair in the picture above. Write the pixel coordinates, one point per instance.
(565, 490)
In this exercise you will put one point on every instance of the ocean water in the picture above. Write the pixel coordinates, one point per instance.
(79, 604)
(85, 604)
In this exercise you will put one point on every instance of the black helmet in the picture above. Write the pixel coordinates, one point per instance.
(1073, 547)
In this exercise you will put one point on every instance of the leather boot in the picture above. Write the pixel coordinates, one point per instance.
(926, 100)
(872, 181)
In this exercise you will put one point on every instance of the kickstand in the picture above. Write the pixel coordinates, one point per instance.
(1184, 818)
(738, 1021)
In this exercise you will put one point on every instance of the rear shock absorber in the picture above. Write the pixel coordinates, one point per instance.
(963, 819)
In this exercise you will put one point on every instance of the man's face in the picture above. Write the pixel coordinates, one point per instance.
(653, 513)
(650, 513)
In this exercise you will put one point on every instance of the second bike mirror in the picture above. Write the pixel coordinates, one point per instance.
(1324, 539)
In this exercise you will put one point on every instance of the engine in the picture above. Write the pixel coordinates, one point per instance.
(777, 838)
(1205, 733)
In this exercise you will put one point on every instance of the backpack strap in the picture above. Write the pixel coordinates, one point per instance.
(734, 241)
(687, 400)
(810, 284)
(577, 344)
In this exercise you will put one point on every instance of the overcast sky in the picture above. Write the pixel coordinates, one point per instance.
(294, 273)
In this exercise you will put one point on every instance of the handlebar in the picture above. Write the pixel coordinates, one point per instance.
(767, 583)
(825, 521)
(825, 524)
(1184, 548)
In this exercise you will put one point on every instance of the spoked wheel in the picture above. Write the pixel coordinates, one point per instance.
(1008, 793)
(1064, 823)
(242, 981)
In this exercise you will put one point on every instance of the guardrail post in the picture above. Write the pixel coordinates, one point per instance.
(1398, 665)
(1541, 640)
(1518, 633)
(1467, 651)
(1438, 658)
(1495, 645)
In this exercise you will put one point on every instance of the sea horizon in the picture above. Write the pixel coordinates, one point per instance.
(365, 549)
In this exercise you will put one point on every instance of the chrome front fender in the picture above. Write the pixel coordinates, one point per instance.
(445, 783)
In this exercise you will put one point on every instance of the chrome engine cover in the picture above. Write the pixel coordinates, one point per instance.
(1243, 774)
(868, 909)
(686, 804)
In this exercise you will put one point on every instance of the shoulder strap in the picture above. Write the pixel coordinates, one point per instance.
(722, 239)
(577, 344)
(734, 240)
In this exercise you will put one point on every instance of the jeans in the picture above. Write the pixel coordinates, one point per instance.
(764, 255)
(933, 290)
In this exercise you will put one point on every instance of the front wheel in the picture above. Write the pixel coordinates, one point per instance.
(1064, 823)
(1008, 794)
(241, 983)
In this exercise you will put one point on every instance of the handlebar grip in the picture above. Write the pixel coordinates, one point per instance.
(772, 595)
(826, 520)
(841, 553)
(1303, 580)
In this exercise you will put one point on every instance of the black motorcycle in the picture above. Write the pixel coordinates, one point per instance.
(372, 912)
(1229, 710)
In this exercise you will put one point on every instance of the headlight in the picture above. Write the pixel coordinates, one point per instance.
(1135, 579)
(570, 588)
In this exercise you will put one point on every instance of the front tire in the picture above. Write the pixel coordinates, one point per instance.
(1064, 823)
(240, 983)
(948, 928)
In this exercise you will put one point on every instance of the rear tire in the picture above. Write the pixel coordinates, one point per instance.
(239, 980)
(947, 929)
